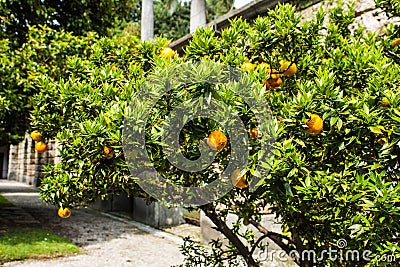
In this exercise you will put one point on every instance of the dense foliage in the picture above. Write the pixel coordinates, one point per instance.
(76, 16)
(337, 184)
(43, 56)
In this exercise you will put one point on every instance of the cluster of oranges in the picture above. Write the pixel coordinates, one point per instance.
(274, 79)
(315, 124)
(40, 145)
(217, 140)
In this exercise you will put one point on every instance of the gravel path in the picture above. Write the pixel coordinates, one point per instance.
(105, 240)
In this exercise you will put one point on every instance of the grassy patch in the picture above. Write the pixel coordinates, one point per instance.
(4, 202)
(33, 243)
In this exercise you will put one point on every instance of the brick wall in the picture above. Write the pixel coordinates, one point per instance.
(26, 164)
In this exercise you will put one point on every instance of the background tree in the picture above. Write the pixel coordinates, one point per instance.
(216, 8)
(77, 16)
(171, 18)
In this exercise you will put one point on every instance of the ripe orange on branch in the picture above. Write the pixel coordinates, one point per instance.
(64, 212)
(108, 151)
(167, 53)
(396, 42)
(253, 133)
(315, 125)
(288, 71)
(40, 147)
(239, 181)
(217, 140)
(36, 136)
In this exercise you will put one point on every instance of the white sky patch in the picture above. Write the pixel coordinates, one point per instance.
(237, 4)
(240, 3)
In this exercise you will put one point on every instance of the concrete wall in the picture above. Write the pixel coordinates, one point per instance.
(25, 164)
(156, 214)
(4, 162)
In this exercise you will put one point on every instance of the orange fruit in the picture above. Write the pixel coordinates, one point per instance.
(167, 53)
(385, 102)
(288, 71)
(239, 181)
(247, 66)
(217, 140)
(108, 151)
(396, 42)
(315, 125)
(275, 75)
(274, 83)
(64, 212)
(40, 147)
(36, 136)
(253, 133)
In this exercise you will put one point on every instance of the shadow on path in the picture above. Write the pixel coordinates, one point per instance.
(104, 240)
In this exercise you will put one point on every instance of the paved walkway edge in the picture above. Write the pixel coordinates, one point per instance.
(147, 229)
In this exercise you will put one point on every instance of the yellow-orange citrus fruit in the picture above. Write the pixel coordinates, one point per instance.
(274, 83)
(239, 181)
(315, 125)
(385, 102)
(36, 136)
(288, 71)
(253, 133)
(64, 212)
(40, 147)
(108, 151)
(247, 66)
(167, 53)
(217, 140)
(274, 74)
(396, 42)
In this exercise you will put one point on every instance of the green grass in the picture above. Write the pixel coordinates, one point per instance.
(33, 243)
(4, 202)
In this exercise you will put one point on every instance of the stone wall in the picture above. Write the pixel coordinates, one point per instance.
(26, 164)
(366, 14)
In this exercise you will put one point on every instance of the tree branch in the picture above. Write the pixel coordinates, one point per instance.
(277, 238)
(228, 233)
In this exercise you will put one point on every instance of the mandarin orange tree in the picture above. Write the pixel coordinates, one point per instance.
(333, 176)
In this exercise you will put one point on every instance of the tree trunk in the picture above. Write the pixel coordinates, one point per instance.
(209, 210)
(147, 20)
(197, 14)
